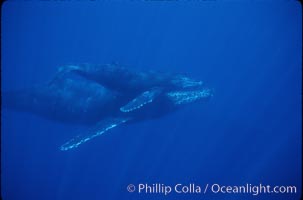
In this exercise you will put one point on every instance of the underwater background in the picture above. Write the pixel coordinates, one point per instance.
(248, 133)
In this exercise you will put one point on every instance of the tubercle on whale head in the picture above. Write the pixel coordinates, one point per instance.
(188, 96)
(186, 82)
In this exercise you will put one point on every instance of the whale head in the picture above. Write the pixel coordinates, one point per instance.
(182, 97)
(184, 82)
(187, 90)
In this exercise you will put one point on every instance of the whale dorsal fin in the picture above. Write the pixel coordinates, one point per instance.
(97, 130)
(141, 100)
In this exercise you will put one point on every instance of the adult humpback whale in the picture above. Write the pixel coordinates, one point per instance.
(105, 96)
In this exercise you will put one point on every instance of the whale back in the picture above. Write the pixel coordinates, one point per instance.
(67, 100)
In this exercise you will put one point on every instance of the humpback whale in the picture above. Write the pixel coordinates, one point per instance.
(105, 96)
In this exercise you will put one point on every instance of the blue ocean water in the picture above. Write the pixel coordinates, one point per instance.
(248, 133)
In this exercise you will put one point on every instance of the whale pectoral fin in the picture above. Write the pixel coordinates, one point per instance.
(97, 130)
(141, 100)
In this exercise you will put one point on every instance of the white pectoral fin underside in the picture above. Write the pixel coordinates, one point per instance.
(97, 130)
(141, 100)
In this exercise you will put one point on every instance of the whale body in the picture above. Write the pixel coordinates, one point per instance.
(105, 96)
